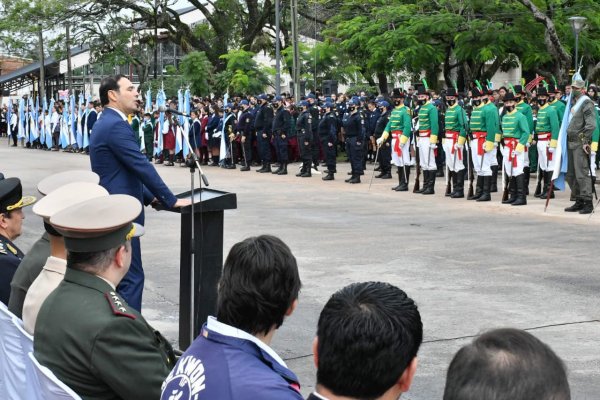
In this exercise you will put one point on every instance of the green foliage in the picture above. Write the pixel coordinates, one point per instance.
(198, 71)
(242, 74)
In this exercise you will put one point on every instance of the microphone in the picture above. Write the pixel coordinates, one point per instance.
(173, 111)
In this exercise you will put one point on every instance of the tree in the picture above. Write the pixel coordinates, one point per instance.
(197, 70)
(242, 74)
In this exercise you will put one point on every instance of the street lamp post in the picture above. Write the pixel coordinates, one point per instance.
(577, 24)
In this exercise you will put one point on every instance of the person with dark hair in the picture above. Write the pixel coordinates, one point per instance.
(368, 336)
(506, 364)
(85, 333)
(115, 156)
(231, 358)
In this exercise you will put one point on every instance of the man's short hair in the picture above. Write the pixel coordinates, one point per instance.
(506, 364)
(368, 334)
(94, 262)
(107, 84)
(260, 282)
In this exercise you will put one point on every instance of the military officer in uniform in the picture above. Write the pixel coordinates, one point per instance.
(244, 129)
(328, 137)
(579, 140)
(556, 102)
(281, 127)
(313, 108)
(11, 224)
(305, 139)
(354, 129)
(427, 142)
(515, 133)
(85, 333)
(524, 108)
(384, 144)
(546, 136)
(483, 129)
(262, 123)
(400, 127)
(454, 142)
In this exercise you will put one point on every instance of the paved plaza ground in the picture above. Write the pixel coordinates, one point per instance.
(469, 266)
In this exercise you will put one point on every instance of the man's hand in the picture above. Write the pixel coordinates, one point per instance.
(243, 139)
(282, 136)
(551, 150)
(182, 203)
(587, 148)
(379, 141)
(264, 135)
(330, 144)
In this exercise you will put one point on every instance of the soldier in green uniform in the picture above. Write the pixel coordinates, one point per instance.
(454, 141)
(483, 128)
(579, 139)
(148, 131)
(400, 126)
(546, 136)
(87, 335)
(492, 109)
(515, 132)
(11, 224)
(135, 125)
(427, 142)
(556, 102)
(531, 156)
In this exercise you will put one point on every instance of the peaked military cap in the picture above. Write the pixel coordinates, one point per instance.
(11, 195)
(451, 92)
(384, 103)
(303, 103)
(244, 103)
(311, 96)
(67, 196)
(509, 97)
(398, 93)
(98, 224)
(53, 182)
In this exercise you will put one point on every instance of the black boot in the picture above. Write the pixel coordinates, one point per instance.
(452, 179)
(306, 170)
(494, 184)
(578, 206)
(246, 167)
(459, 188)
(400, 178)
(405, 178)
(587, 208)
(267, 168)
(521, 199)
(485, 191)
(263, 168)
(279, 168)
(328, 177)
(354, 179)
(387, 174)
(512, 191)
(526, 175)
(425, 181)
(283, 169)
(478, 189)
(430, 182)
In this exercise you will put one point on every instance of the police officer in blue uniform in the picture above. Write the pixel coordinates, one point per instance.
(305, 139)
(354, 127)
(11, 223)
(313, 108)
(373, 113)
(328, 137)
(385, 150)
(244, 129)
(263, 123)
(281, 127)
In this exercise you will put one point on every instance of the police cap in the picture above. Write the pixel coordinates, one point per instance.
(11, 195)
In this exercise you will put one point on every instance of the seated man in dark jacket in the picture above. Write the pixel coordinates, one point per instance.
(231, 359)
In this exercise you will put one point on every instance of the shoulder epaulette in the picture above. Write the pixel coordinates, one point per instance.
(11, 249)
(118, 305)
(3, 249)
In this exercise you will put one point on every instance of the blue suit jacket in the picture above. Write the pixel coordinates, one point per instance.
(123, 169)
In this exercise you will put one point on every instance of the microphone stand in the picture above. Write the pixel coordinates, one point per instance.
(193, 164)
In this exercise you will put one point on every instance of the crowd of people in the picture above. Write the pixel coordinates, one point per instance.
(79, 289)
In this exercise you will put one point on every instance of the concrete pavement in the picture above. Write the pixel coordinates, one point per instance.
(470, 267)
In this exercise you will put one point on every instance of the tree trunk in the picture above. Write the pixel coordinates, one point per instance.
(383, 82)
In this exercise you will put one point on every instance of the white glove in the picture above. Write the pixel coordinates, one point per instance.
(514, 154)
(379, 141)
(433, 145)
(551, 150)
(458, 146)
(496, 144)
(217, 134)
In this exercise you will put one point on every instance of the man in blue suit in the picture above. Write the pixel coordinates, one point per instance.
(115, 156)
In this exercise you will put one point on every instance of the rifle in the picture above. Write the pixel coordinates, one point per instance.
(470, 166)
(417, 186)
(507, 184)
(448, 181)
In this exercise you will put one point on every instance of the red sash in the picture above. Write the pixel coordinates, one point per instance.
(454, 136)
(396, 135)
(511, 143)
(478, 136)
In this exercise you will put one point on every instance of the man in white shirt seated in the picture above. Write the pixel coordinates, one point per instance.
(231, 359)
(368, 336)
(56, 265)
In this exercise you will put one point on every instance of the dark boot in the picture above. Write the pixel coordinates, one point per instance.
(283, 169)
(170, 163)
(430, 182)
(459, 188)
(400, 178)
(485, 191)
(526, 175)
(354, 179)
(306, 171)
(328, 177)
(425, 181)
(263, 168)
(387, 174)
(578, 206)
(246, 167)
(587, 208)
(380, 175)
(405, 178)
(452, 179)
(267, 168)
(478, 189)
(512, 191)
(494, 184)
(521, 199)
(279, 168)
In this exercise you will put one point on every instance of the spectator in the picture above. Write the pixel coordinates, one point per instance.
(368, 336)
(231, 357)
(506, 364)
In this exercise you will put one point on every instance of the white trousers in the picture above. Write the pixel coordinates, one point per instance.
(543, 156)
(401, 161)
(453, 161)
(482, 164)
(426, 153)
(509, 164)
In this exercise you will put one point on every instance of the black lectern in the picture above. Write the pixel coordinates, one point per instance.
(208, 258)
